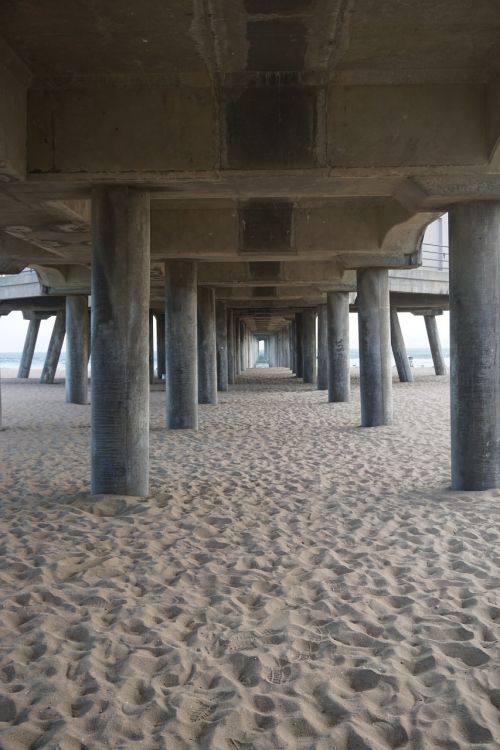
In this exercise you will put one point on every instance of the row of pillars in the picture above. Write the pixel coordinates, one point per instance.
(196, 339)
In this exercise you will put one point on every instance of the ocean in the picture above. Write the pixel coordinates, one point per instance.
(11, 360)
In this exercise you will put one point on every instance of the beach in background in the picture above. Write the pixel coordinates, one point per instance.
(9, 361)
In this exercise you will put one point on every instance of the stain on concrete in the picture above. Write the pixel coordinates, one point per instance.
(276, 44)
(266, 226)
(271, 126)
(264, 291)
(268, 7)
(265, 270)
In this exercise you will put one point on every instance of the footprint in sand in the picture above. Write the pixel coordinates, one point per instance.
(363, 679)
(278, 675)
(469, 655)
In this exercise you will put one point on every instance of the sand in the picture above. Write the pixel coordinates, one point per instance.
(293, 581)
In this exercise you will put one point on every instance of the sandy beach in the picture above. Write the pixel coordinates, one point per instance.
(293, 581)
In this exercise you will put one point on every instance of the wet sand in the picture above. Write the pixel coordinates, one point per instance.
(293, 581)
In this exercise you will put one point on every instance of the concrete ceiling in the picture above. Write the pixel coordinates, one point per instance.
(335, 129)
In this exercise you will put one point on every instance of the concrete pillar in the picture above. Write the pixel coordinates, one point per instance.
(221, 334)
(160, 345)
(339, 364)
(322, 349)
(207, 347)
(230, 348)
(309, 346)
(237, 356)
(399, 349)
(54, 350)
(151, 349)
(181, 345)
(77, 355)
(29, 348)
(241, 336)
(299, 352)
(475, 345)
(435, 344)
(120, 320)
(89, 335)
(293, 340)
(374, 346)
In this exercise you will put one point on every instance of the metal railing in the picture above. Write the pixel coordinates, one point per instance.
(435, 257)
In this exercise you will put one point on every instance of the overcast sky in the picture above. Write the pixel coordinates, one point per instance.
(13, 331)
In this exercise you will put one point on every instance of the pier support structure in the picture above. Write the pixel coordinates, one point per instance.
(120, 319)
(151, 348)
(207, 347)
(322, 379)
(54, 349)
(222, 351)
(337, 312)
(160, 345)
(309, 346)
(475, 345)
(77, 355)
(181, 378)
(29, 347)
(299, 351)
(399, 350)
(293, 347)
(435, 344)
(374, 346)
(230, 348)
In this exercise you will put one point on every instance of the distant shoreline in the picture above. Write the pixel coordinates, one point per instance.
(9, 361)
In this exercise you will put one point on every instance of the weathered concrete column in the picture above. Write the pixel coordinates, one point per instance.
(299, 351)
(241, 337)
(374, 346)
(151, 349)
(77, 355)
(293, 350)
(399, 349)
(207, 347)
(54, 350)
(181, 345)
(435, 344)
(29, 348)
(89, 335)
(322, 349)
(120, 328)
(222, 357)
(237, 358)
(309, 346)
(339, 365)
(160, 345)
(475, 345)
(230, 348)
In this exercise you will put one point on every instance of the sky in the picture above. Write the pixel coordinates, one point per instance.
(13, 331)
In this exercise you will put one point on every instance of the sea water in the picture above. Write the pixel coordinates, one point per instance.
(11, 360)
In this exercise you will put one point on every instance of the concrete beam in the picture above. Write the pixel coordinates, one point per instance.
(13, 84)
(182, 128)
